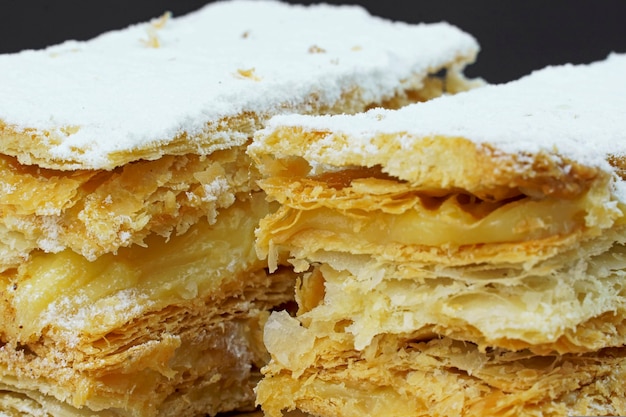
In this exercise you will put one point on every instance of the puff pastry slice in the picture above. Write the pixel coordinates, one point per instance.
(490, 219)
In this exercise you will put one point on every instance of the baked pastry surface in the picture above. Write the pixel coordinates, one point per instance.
(490, 221)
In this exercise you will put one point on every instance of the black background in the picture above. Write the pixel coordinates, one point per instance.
(516, 37)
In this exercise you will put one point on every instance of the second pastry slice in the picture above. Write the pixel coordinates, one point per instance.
(457, 255)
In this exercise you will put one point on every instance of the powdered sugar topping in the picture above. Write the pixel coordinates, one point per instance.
(575, 111)
(143, 86)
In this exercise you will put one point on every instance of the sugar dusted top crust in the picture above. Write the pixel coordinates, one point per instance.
(144, 86)
(575, 111)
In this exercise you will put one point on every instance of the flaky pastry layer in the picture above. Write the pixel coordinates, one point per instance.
(169, 329)
(398, 375)
(575, 302)
(363, 211)
(432, 164)
(98, 212)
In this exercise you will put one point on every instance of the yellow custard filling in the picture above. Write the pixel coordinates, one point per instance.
(453, 222)
(68, 292)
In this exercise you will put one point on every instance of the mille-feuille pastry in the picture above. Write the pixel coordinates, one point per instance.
(459, 257)
(130, 281)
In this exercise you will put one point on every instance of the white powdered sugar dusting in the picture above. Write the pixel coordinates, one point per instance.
(145, 85)
(218, 187)
(577, 111)
(74, 314)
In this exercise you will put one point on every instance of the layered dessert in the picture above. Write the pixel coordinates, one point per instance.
(130, 281)
(463, 256)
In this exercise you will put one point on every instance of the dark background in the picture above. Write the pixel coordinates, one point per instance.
(516, 37)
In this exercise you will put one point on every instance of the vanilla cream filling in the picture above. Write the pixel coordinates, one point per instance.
(67, 292)
(451, 223)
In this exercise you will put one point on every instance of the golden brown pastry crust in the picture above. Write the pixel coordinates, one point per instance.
(425, 163)
(197, 357)
(98, 212)
(399, 376)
